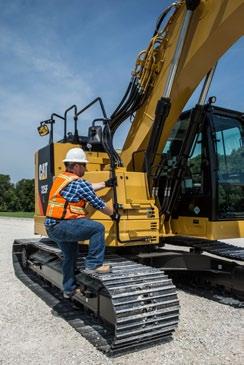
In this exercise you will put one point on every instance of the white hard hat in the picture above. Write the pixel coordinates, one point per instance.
(75, 155)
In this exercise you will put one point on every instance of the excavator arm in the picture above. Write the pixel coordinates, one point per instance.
(214, 26)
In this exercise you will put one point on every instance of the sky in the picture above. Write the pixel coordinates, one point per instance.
(56, 53)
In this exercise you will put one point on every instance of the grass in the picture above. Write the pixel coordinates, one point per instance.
(17, 214)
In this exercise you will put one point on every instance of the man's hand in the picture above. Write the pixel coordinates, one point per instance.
(115, 216)
(111, 182)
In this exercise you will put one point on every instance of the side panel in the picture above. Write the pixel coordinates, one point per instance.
(202, 227)
(138, 213)
(44, 166)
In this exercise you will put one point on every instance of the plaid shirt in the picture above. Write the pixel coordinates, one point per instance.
(74, 192)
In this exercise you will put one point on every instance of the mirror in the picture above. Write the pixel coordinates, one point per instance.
(95, 134)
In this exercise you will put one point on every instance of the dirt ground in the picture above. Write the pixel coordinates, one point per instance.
(209, 332)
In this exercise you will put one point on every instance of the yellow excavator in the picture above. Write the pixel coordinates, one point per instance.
(179, 187)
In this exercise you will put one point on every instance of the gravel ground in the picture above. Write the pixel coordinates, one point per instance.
(208, 333)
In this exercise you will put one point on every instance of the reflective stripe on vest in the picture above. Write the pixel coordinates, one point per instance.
(58, 207)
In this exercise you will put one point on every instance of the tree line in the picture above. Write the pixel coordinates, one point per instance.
(16, 197)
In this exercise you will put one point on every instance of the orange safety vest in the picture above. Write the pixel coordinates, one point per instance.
(60, 208)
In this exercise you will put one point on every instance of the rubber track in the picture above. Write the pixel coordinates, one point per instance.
(217, 248)
(143, 298)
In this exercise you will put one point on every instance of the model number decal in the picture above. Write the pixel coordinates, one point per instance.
(43, 171)
(44, 189)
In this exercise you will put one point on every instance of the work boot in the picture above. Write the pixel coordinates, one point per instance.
(103, 269)
(69, 295)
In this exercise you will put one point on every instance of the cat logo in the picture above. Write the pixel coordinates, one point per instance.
(43, 171)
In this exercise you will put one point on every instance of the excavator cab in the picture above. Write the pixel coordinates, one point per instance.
(212, 184)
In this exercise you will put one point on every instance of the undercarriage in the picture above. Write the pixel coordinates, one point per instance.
(135, 305)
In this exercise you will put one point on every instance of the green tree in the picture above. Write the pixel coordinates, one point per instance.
(8, 198)
(25, 194)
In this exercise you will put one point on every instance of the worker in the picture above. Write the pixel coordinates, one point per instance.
(66, 221)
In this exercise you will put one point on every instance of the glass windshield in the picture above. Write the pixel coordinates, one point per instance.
(229, 133)
(193, 179)
(174, 143)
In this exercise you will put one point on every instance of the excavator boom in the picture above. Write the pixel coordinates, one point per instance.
(214, 27)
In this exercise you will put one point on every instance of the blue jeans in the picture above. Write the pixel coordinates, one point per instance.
(67, 233)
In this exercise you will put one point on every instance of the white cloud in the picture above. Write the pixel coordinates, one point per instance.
(41, 84)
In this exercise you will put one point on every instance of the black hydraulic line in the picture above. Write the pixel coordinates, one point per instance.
(123, 99)
(131, 105)
(106, 137)
(145, 96)
(107, 142)
(162, 17)
(126, 107)
(135, 102)
(166, 196)
(115, 160)
(161, 113)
